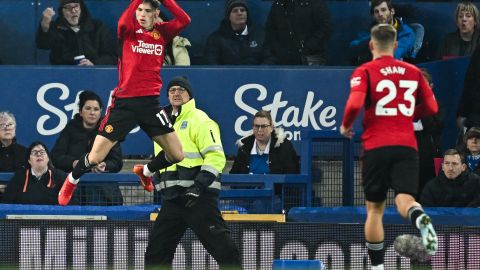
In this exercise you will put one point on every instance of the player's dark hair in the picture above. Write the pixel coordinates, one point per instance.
(375, 3)
(264, 114)
(86, 96)
(154, 3)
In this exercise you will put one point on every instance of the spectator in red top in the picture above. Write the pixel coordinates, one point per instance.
(389, 90)
(135, 99)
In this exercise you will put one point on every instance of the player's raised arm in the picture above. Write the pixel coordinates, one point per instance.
(181, 18)
(126, 23)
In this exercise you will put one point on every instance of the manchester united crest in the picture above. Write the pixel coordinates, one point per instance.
(109, 129)
(155, 34)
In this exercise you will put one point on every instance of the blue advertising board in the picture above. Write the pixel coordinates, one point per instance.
(44, 99)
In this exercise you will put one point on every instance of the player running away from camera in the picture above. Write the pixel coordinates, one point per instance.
(392, 93)
(135, 99)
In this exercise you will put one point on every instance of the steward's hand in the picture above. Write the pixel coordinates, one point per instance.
(191, 195)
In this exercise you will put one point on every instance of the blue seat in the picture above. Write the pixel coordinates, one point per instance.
(419, 31)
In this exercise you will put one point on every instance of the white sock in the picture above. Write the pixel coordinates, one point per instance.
(146, 171)
(72, 180)
(378, 267)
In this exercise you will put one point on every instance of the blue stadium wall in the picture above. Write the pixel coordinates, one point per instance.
(44, 98)
(348, 18)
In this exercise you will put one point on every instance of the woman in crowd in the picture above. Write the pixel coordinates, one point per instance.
(39, 183)
(266, 151)
(76, 139)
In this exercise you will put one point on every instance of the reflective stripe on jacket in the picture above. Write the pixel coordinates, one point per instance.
(202, 148)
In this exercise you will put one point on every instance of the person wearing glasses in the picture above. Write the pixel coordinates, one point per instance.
(190, 188)
(39, 183)
(12, 154)
(455, 185)
(266, 151)
(74, 37)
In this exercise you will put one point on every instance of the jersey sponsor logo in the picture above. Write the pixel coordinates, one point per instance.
(184, 125)
(156, 35)
(139, 31)
(392, 70)
(147, 48)
(355, 81)
(109, 129)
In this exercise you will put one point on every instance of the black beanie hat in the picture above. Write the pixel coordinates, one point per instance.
(472, 132)
(64, 2)
(230, 4)
(181, 81)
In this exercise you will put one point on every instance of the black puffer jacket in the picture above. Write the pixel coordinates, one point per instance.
(296, 29)
(469, 105)
(75, 140)
(94, 40)
(464, 191)
(12, 157)
(37, 191)
(282, 157)
(225, 47)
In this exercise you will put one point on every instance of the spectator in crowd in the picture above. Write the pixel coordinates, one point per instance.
(455, 185)
(12, 154)
(76, 139)
(296, 32)
(266, 151)
(75, 38)
(463, 41)
(428, 132)
(383, 11)
(468, 112)
(191, 187)
(237, 41)
(176, 51)
(39, 183)
(470, 148)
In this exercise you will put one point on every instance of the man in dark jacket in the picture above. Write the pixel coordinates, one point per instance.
(75, 38)
(237, 41)
(297, 32)
(455, 186)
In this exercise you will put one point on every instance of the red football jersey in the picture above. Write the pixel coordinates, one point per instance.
(392, 93)
(143, 51)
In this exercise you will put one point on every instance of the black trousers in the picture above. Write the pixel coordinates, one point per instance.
(205, 220)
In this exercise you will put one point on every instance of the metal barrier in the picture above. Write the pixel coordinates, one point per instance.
(249, 191)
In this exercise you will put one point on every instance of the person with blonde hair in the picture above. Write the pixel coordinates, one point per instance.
(465, 39)
(393, 93)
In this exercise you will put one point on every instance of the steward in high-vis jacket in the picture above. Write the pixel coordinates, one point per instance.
(190, 188)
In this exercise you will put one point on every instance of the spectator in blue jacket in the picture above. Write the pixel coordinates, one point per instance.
(383, 12)
(237, 41)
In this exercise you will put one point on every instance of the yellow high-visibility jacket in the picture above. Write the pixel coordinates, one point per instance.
(204, 157)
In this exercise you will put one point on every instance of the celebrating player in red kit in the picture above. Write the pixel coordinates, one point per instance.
(135, 99)
(392, 93)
